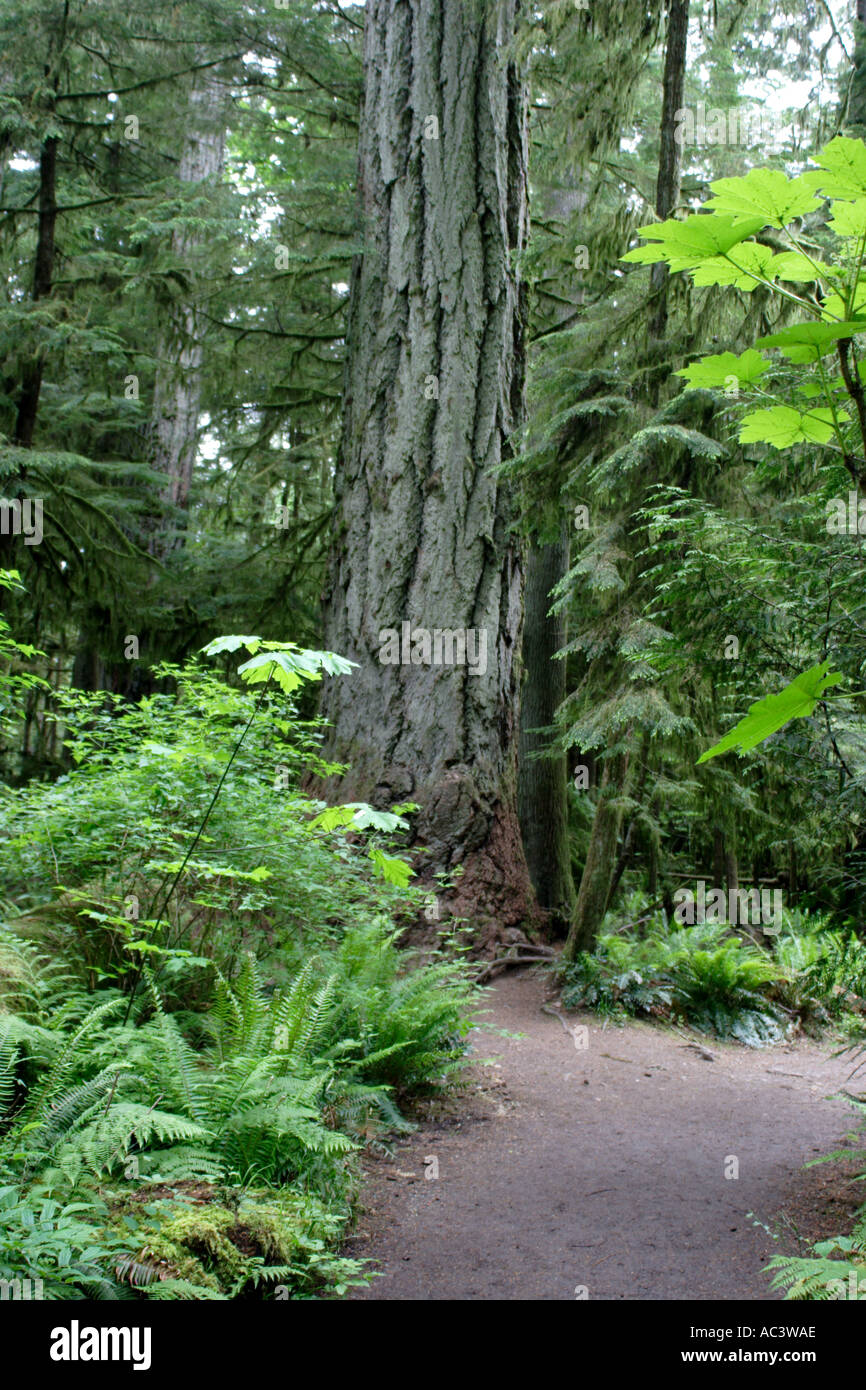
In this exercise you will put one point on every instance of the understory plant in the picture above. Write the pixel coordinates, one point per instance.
(722, 982)
(204, 1012)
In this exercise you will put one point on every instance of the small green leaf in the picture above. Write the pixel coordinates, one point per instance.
(231, 644)
(782, 426)
(360, 816)
(163, 750)
(765, 193)
(366, 817)
(744, 268)
(840, 305)
(843, 169)
(849, 219)
(697, 238)
(793, 265)
(715, 371)
(392, 869)
(796, 701)
(333, 817)
(290, 665)
(334, 665)
(808, 342)
(279, 665)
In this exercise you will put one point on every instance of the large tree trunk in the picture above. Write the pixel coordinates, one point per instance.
(543, 780)
(434, 392)
(177, 390)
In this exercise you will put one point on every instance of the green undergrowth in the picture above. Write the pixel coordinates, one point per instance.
(205, 1014)
(722, 981)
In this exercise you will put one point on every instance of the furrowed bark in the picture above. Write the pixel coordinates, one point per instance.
(433, 394)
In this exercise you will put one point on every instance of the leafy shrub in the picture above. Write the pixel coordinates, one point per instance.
(94, 1106)
(824, 969)
(409, 1025)
(59, 1249)
(613, 989)
(712, 978)
(92, 857)
(720, 991)
(836, 1269)
(180, 1114)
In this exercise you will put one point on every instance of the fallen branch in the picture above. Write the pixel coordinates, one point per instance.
(501, 962)
(705, 1052)
(554, 1013)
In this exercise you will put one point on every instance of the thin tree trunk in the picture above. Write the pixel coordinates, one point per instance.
(433, 394)
(595, 885)
(594, 891)
(43, 272)
(177, 390)
(793, 875)
(670, 155)
(543, 781)
(856, 113)
(718, 856)
(99, 662)
(726, 871)
(653, 862)
(732, 869)
(627, 849)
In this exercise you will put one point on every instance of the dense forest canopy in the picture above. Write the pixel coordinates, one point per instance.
(432, 437)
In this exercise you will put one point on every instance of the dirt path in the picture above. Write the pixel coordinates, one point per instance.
(603, 1168)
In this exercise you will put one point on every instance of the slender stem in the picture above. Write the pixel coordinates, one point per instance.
(200, 832)
(854, 387)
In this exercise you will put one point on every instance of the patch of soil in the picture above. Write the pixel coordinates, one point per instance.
(821, 1202)
(198, 1192)
(626, 1168)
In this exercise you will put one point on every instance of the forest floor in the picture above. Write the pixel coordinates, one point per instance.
(605, 1168)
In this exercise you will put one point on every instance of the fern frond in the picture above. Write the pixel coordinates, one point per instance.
(817, 1278)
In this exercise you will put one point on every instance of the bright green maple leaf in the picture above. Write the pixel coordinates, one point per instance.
(744, 268)
(783, 425)
(807, 342)
(836, 308)
(767, 194)
(685, 244)
(231, 644)
(849, 219)
(843, 169)
(392, 868)
(796, 701)
(793, 265)
(360, 815)
(714, 372)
